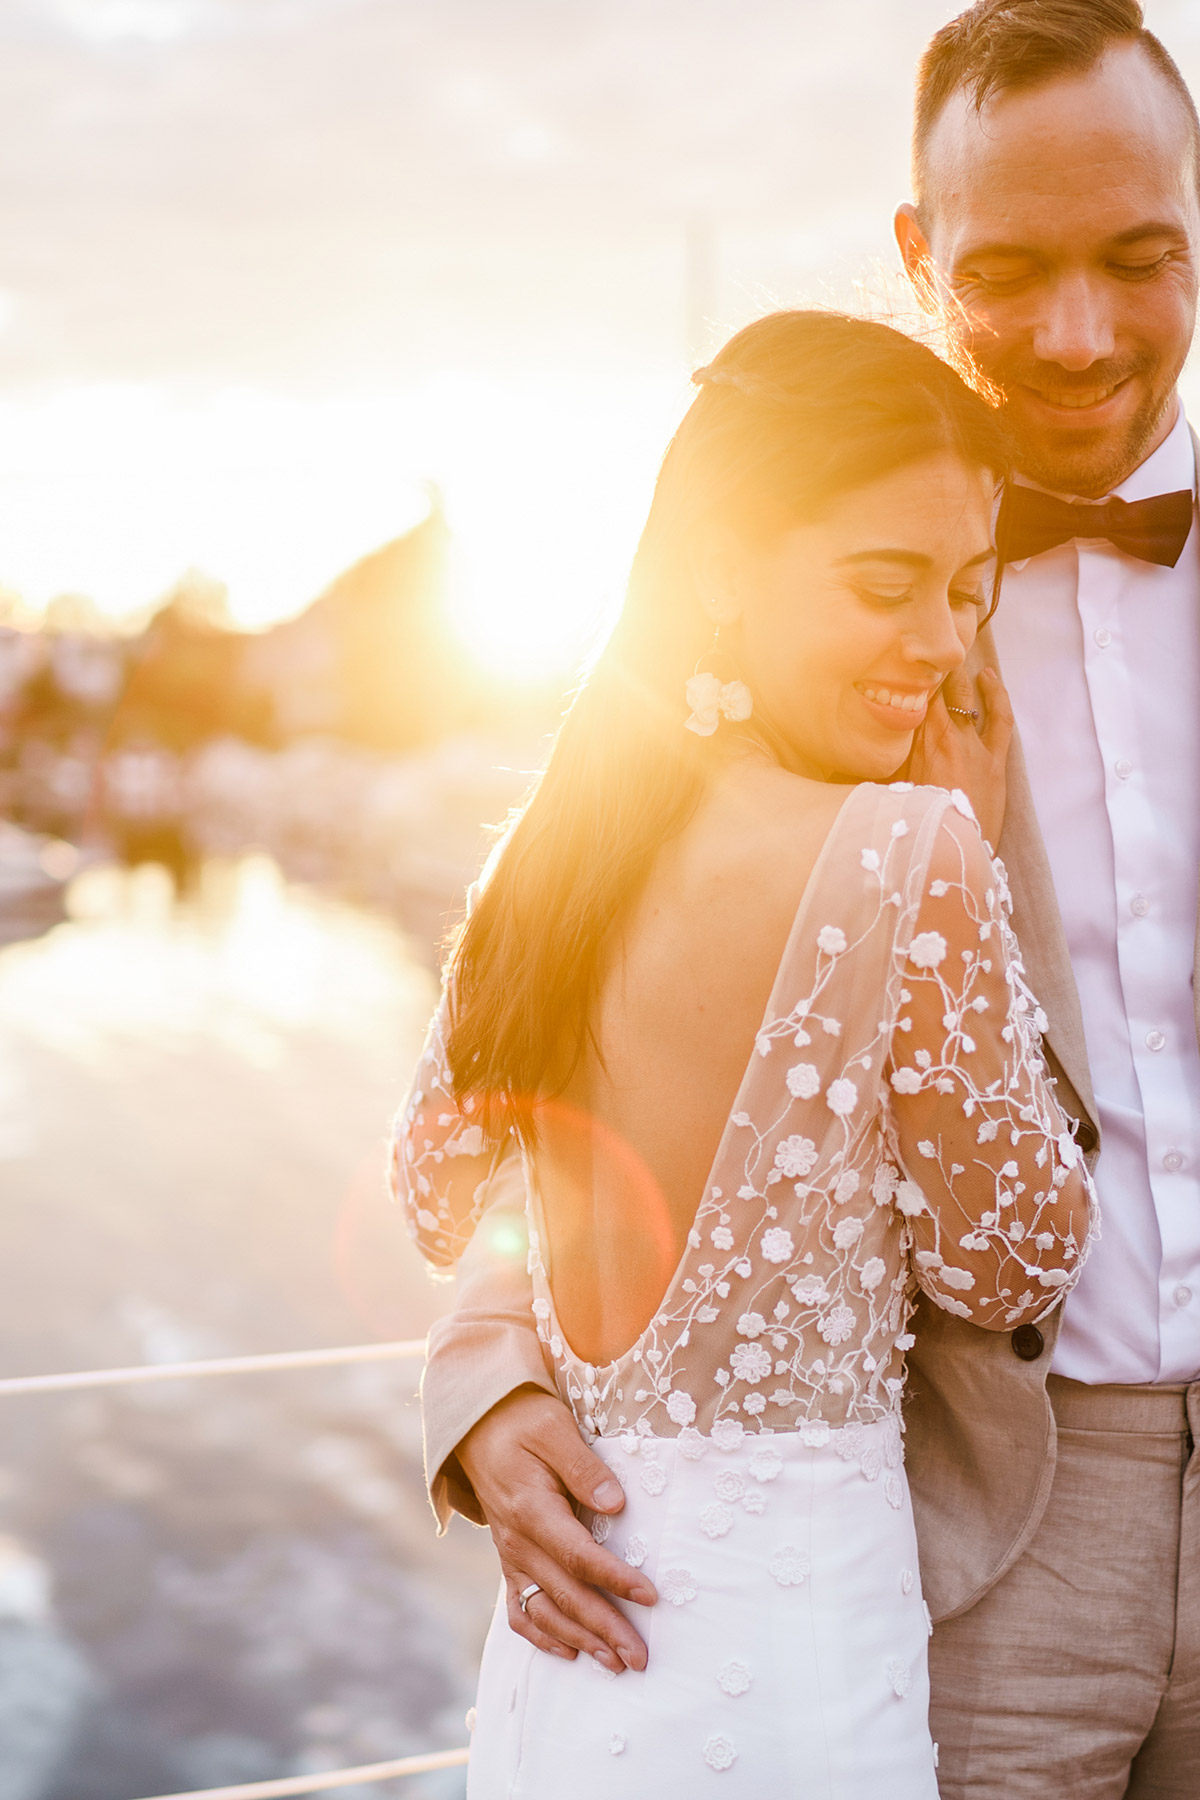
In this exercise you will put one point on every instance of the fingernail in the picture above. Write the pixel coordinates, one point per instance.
(643, 1596)
(607, 1495)
(560, 1650)
(630, 1660)
(608, 1661)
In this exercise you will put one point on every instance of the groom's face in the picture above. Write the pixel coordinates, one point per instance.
(1062, 227)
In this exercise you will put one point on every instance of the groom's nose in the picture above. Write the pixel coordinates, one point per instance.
(1074, 327)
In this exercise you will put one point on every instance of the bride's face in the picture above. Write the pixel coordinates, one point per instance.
(848, 627)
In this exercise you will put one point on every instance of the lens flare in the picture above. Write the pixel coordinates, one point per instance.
(612, 1244)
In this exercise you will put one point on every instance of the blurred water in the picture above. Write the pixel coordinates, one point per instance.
(237, 1578)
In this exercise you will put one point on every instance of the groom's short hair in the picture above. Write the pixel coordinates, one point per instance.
(997, 46)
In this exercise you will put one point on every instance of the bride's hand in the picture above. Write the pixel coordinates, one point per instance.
(953, 750)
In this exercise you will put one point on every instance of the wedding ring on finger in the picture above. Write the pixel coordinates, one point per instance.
(964, 712)
(526, 1595)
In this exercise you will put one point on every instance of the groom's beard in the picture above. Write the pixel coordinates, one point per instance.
(1072, 457)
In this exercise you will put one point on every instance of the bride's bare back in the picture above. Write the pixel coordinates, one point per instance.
(825, 1095)
(622, 1166)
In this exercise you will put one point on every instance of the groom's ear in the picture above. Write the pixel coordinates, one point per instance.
(916, 255)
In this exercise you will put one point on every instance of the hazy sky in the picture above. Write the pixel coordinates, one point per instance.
(263, 263)
(315, 192)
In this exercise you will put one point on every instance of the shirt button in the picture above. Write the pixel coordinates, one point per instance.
(1182, 1295)
(1139, 906)
(1123, 768)
(1155, 1040)
(1173, 1161)
(1103, 638)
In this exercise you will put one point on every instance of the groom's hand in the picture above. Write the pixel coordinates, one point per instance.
(955, 750)
(526, 1460)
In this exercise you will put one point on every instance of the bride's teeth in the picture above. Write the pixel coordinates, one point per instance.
(899, 702)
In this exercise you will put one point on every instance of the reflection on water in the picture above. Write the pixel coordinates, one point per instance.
(240, 961)
(228, 1580)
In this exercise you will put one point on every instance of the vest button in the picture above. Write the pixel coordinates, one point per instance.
(1028, 1342)
(1085, 1137)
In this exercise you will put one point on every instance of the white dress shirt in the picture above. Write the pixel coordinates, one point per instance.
(1101, 655)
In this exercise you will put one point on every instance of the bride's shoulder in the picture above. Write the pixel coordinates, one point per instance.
(900, 808)
(867, 810)
(760, 840)
(766, 816)
(769, 816)
(941, 837)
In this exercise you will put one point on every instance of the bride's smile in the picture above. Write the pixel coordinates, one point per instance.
(752, 1016)
(845, 628)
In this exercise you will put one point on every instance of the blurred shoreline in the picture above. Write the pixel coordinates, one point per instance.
(354, 743)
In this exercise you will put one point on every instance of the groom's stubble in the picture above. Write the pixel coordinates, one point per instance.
(1059, 229)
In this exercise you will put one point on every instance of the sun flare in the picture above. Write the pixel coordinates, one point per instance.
(544, 488)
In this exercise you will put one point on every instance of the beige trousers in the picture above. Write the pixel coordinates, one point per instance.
(1078, 1676)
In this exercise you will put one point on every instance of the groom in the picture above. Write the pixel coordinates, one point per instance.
(1055, 1483)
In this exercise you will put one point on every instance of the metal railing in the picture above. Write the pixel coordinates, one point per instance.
(399, 1350)
(328, 1778)
(220, 1365)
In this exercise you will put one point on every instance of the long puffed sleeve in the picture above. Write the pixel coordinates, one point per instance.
(441, 1160)
(998, 1231)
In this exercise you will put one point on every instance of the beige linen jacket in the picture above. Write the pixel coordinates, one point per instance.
(981, 1443)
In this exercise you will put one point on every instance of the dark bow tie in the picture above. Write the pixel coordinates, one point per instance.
(1154, 530)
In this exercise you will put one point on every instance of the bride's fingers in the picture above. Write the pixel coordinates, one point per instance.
(937, 727)
(960, 710)
(957, 696)
(997, 728)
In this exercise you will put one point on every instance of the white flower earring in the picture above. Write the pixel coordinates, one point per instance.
(710, 698)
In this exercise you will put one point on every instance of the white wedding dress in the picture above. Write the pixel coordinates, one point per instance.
(895, 1126)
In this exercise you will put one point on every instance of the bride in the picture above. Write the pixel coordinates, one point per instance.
(753, 1013)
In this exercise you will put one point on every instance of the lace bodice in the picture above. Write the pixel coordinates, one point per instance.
(895, 1127)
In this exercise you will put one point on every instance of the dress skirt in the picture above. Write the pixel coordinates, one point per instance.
(787, 1651)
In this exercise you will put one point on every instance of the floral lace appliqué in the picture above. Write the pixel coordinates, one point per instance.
(734, 1678)
(677, 1586)
(789, 1566)
(719, 1752)
(896, 1129)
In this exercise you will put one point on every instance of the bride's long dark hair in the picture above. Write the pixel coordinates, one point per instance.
(797, 409)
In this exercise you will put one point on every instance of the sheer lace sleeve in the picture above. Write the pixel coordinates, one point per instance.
(441, 1161)
(998, 1231)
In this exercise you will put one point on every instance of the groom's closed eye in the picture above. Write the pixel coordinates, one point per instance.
(1006, 279)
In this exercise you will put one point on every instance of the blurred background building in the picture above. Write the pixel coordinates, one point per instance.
(339, 341)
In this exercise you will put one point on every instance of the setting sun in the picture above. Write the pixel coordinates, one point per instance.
(273, 496)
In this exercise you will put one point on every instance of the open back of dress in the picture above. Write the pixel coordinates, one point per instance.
(895, 1126)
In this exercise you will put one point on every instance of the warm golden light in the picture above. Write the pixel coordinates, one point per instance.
(114, 492)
